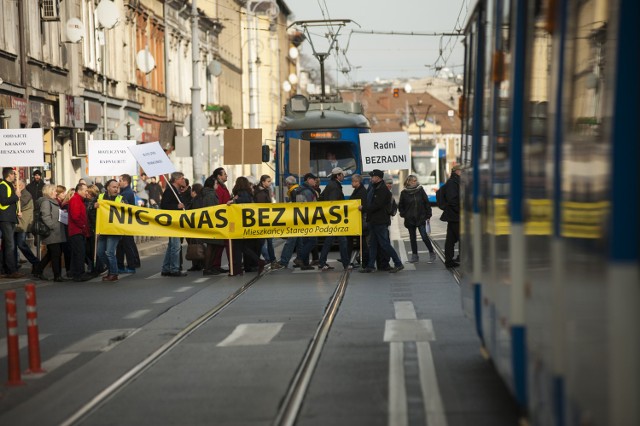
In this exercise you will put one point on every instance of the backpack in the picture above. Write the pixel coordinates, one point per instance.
(441, 197)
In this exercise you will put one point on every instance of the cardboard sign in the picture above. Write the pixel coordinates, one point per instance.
(242, 146)
(385, 151)
(299, 157)
(111, 158)
(21, 148)
(152, 159)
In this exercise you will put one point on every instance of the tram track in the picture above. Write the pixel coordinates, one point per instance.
(103, 397)
(440, 252)
(293, 398)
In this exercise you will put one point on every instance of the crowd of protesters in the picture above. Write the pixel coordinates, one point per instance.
(69, 217)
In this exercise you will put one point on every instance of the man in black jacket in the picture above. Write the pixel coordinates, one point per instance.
(9, 199)
(452, 216)
(35, 186)
(333, 192)
(378, 221)
(171, 201)
(360, 193)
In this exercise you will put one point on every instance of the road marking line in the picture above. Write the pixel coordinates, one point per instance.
(53, 363)
(398, 409)
(252, 334)
(137, 314)
(201, 280)
(404, 310)
(182, 289)
(162, 300)
(408, 330)
(154, 276)
(434, 408)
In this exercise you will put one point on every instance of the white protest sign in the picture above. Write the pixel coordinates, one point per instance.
(110, 158)
(21, 148)
(385, 151)
(152, 159)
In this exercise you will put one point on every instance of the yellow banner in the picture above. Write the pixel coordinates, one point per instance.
(233, 222)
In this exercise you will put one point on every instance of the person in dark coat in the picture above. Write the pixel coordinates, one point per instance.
(333, 192)
(127, 247)
(35, 186)
(171, 201)
(155, 192)
(214, 247)
(360, 193)
(243, 194)
(262, 194)
(197, 202)
(414, 207)
(379, 200)
(9, 199)
(451, 215)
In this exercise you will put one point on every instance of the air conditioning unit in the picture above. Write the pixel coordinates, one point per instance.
(49, 10)
(79, 148)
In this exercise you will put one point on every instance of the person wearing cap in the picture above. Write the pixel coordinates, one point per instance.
(35, 186)
(451, 215)
(333, 192)
(307, 194)
(378, 221)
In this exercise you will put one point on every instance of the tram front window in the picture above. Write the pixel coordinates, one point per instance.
(425, 169)
(327, 156)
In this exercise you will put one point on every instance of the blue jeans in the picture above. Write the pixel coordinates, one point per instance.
(171, 261)
(287, 250)
(107, 245)
(307, 245)
(344, 252)
(21, 243)
(268, 253)
(423, 234)
(379, 234)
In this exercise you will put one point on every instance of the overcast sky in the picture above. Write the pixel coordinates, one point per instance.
(389, 56)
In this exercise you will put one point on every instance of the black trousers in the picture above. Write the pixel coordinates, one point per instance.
(54, 255)
(78, 247)
(453, 236)
(127, 249)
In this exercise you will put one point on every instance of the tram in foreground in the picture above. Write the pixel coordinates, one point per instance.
(549, 242)
(332, 128)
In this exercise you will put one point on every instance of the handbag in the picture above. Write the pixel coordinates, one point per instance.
(39, 227)
(195, 251)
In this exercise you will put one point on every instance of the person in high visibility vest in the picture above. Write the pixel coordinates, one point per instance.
(107, 244)
(9, 199)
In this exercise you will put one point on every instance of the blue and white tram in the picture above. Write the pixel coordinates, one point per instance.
(332, 129)
(550, 217)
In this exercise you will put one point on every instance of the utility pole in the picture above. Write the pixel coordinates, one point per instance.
(196, 141)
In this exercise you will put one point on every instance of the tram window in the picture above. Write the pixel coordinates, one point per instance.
(326, 156)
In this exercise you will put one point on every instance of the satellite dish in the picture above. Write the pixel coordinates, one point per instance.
(74, 28)
(214, 68)
(108, 14)
(145, 61)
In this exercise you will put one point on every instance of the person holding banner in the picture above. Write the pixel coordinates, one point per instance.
(244, 249)
(9, 199)
(171, 201)
(108, 244)
(214, 247)
(224, 197)
(78, 232)
(307, 194)
(127, 247)
(333, 192)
